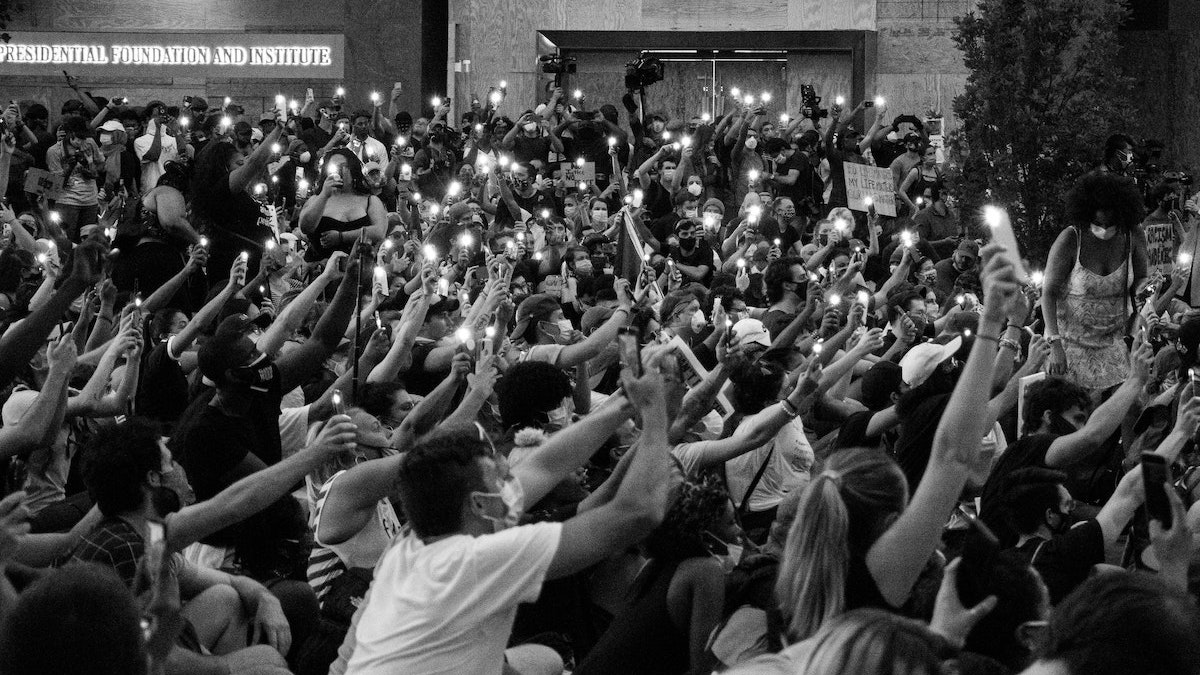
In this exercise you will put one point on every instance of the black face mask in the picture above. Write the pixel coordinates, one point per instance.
(1065, 521)
(687, 243)
(165, 500)
(256, 376)
(1059, 426)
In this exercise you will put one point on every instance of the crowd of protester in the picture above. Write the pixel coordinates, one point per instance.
(584, 388)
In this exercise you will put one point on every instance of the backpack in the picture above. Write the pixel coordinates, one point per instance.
(124, 214)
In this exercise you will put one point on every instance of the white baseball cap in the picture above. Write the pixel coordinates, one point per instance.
(920, 361)
(752, 331)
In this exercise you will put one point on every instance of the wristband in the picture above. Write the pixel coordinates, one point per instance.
(1005, 343)
(789, 409)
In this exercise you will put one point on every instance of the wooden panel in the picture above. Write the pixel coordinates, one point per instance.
(181, 15)
(917, 94)
(603, 15)
(918, 47)
(713, 14)
(503, 44)
(826, 15)
(830, 75)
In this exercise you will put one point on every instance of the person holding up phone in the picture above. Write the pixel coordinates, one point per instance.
(343, 210)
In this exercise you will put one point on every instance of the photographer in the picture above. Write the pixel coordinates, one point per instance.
(78, 160)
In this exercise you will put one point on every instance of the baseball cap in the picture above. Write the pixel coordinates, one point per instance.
(112, 125)
(267, 116)
(879, 383)
(72, 105)
(752, 331)
(594, 317)
(920, 361)
(536, 307)
(228, 348)
(969, 247)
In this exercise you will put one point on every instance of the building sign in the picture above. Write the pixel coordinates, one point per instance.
(209, 55)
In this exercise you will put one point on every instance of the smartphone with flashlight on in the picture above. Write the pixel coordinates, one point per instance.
(1155, 477)
(629, 349)
(339, 403)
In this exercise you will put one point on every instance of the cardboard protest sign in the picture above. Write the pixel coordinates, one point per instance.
(864, 181)
(573, 173)
(41, 182)
(691, 372)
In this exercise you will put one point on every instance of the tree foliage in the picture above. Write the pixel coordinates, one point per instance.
(1045, 90)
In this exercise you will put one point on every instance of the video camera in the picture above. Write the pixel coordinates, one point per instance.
(811, 104)
(643, 72)
(557, 64)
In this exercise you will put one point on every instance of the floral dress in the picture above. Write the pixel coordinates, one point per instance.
(1092, 320)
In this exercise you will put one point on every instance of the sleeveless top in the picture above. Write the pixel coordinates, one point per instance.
(1092, 318)
(642, 638)
(328, 561)
(922, 183)
(318, 252)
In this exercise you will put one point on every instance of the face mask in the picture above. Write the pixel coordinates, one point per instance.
(305, 157)
(599, 216)
(668, 175)
(257, 376)
(560, 417)
(583, 267)
(513, 496)
(105, 139)
(531, 127)
(1059, 426)
(733, 555)
(929, 277)
(689, 213)
(565, 325)
(918, 319)
(698, 321)
(695, 189)
(1065, 521)
(1103, 233)
(751, 143)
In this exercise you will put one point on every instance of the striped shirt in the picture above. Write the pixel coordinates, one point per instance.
(327, 562)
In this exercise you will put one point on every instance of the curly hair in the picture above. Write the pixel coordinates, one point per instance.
(1117, 195)
(698, 507)
(1055, 395)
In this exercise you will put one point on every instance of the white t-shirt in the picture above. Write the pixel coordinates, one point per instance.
(152, 171)
(448, 607)
(787, 469)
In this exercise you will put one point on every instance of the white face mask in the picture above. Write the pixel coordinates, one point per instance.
(513, 496)
(531, 127)
(599, 215)
(698, 321)
(689, 213)
(695, 189)
(751, 143)
(560, 417)
(105, 139)
(565, 325)
(1103, 233)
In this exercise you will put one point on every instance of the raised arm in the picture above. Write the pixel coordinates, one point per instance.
(293, 315)
(606, 334)
(39, 424)
(198, 323)
(898, 556)
(299, 364)
(260, 489)
(256, 163)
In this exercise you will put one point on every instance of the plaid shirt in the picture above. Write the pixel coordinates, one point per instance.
(114, 543)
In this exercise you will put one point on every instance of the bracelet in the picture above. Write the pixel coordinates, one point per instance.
(1052, 339)
(789, 409)
(990, 338)
(1006, 343)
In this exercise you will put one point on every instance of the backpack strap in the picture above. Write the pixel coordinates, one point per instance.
(741, 509)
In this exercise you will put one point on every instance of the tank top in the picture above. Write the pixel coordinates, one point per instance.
(328, 561)
(318, 252)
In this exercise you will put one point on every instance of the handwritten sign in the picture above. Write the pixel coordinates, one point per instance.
(1160, 242)
(864, 181)
(573, 173)
(42, 182)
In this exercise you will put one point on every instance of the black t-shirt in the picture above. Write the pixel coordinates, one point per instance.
(1065, 561)
(915, 443)
(886, 152)
(853, 433)
(527, 149)
(1029, 451)
(211, 445)
(163, 388)
(657, 200)
(234, 222)
(534, 204)
(702, 254)
(776, 320)
(803, 187)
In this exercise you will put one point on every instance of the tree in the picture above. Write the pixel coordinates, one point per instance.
(1045, 90)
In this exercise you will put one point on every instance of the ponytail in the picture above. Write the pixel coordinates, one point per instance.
(811, 586)
(841, 514)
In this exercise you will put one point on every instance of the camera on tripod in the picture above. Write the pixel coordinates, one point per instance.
(811, 104)
(557, 64)
(643, 72)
